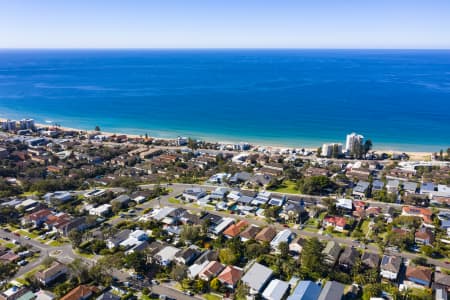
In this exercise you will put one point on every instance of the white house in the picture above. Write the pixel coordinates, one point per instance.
(101, 210)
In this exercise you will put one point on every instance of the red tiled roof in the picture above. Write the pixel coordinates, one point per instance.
(235, 229)
(230, 275)
(419, 272)
(81, 291)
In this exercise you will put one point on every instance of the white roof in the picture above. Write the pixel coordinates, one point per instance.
(282, 236)
(223, 225)
(27, 202)
(168, 253)
(160, 214)
(276, 290)
(345, 203)
(194, 270)
(137, 233)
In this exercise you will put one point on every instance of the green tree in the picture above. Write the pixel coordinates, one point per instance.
(227, 256)
(215, 284)
(76, 238)
(178, 272)
(190, 234)
(367, 146)
(312, 259)
(371, 290)
(283, 248)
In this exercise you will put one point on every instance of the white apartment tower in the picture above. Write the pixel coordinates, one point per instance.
(353, 139)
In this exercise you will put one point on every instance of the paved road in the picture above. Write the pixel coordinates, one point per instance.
(63, 253)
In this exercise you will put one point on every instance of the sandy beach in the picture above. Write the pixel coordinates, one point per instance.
(414, 155)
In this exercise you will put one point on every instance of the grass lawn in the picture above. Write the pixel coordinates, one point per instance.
(27, 233)
(10, 245)
(55, 243)
(365, 226)
(211, 297)
(287, 187)
(86, 255)
(174, 201)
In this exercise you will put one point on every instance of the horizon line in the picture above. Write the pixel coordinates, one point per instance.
(219, 48)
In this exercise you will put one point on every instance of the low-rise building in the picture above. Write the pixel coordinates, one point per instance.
(332, 290)
(230, 276)
(419, 275)
(390, 267)
(331, 253)
(276, 290)
(55, 271)
(305, 290)
(211, 270)
(257, 277)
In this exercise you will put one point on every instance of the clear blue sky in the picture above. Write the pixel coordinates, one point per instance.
(225, 24)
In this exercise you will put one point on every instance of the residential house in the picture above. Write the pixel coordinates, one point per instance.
(392, 186)
(101, 210)
(58, 197)
(266, 234)
(55, 271)
(442, 281)
(276, 290)
(219, 193)
(44, 295)
(348, 258)
(235, 229)
(410, 187)
(377, 185)
(188, 255)
(419, 275)
(338, 223)
(257, 277)
(249, 233)
(122, 200)
(230, 276)
(427, 188)
(201, 262)
(81, 292)
(37, 218)
(344, 204)
(224, 223)
(390, 266)
(305, 290)
(166, 255)
(108, 296)
(14, 293)
(332, 290)
(424, 236)
(194, 194)
(370, 260)
(211, 270)
(284, 236)
(297, 244)
(424, 213)
(292, 211)
(331, 252)
(262, 198)
(361, 189)
(117, 239)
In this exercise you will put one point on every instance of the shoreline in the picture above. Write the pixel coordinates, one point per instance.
(414, 155)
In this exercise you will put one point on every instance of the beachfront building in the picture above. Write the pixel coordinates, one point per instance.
(353, 140)
(331, 150)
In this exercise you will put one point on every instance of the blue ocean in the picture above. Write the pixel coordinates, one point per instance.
(398, 98)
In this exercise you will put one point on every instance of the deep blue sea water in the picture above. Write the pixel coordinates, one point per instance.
(398, 98)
